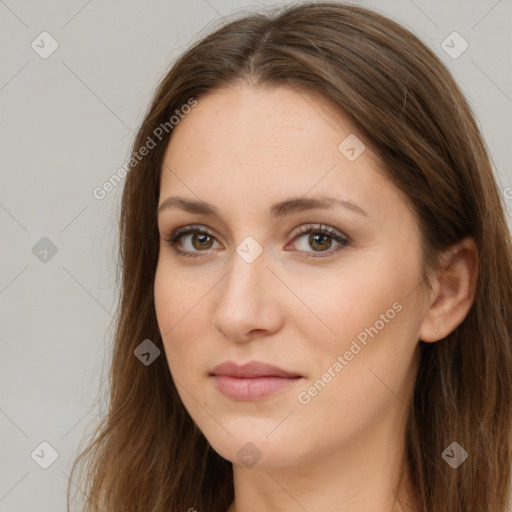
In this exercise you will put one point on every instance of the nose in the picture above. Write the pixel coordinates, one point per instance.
(247, 304)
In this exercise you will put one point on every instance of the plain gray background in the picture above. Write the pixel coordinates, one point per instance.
(67, 122)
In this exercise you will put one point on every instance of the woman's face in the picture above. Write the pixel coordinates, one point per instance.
(338, 310)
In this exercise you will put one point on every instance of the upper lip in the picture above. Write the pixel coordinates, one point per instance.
(252, 369)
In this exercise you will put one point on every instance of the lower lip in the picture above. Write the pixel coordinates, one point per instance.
(252, 388)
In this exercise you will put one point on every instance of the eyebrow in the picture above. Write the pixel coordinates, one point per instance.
(277, 210)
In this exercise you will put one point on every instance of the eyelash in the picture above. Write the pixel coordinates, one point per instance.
(175, 235)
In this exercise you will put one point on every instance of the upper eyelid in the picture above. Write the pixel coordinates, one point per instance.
(320, 226)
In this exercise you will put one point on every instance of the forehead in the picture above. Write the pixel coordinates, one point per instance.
(262, 143)
(262, 117)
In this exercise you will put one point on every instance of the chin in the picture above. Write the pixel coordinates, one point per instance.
(253, 449)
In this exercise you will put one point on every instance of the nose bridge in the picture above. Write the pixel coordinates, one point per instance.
(247, 275)
(244, 301)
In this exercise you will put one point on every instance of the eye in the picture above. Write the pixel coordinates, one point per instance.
(320, 239)
(196, 239)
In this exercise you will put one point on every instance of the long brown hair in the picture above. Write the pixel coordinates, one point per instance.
(147, 453)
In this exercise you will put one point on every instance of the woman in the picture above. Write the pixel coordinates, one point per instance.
(343, 342)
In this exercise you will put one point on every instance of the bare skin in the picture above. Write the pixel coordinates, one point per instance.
(301, 303)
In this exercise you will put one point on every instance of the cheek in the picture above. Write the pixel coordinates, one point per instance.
(367, 316)
(178, 295)
(361, 378)
(175, 305)
(334, 307)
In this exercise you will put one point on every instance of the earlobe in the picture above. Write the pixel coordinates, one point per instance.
(454, 291)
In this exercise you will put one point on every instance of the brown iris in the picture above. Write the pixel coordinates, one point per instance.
(313, 240)
(201, 238)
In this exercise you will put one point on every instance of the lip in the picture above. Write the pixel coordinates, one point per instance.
(251, 381)
(251, 369)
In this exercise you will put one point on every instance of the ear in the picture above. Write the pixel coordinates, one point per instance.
(453, 291)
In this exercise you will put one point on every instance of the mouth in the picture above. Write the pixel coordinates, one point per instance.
(251, 381)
